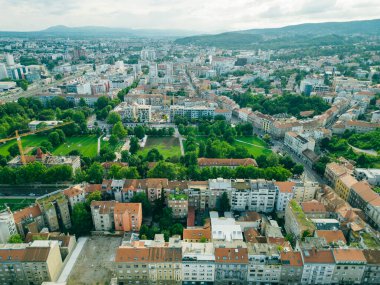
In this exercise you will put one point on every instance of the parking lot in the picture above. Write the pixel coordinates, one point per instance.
(94, 265)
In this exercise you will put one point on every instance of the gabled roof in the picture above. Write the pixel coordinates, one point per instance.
(348, 254)
(231, 255)
(286, 186)
(28, 212)
(291, 258)
(364, 190)
(331, 236)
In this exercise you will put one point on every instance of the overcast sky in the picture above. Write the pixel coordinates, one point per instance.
(193, 15)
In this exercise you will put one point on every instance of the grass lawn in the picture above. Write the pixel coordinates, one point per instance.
(16, 204)
(29, 141)
(167, 146)
(255, 145)
(87, 145)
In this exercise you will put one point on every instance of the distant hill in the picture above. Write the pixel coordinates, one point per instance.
(96, 32)
(296, 35)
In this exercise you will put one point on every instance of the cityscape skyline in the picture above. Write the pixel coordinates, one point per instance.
(210, 17)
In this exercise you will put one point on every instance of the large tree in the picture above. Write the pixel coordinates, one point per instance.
(81, 219)
(224, 203)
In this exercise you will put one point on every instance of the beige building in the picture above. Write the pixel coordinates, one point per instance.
(55, 210)
(333, 171)
(42, 262)
(305, 190)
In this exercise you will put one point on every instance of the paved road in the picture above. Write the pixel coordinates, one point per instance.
(179, 136)
(366, 151)
(73, 258)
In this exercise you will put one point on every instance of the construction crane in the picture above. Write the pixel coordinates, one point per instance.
(18, 138)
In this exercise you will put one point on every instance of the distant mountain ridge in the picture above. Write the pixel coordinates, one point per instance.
(61, 31)
(334, 32)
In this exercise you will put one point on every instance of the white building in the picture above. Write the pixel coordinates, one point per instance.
(285, 192)
(225, 229)
(198, 262)
(298, 142)
(262, 197)
(7, 226)
(372, 175)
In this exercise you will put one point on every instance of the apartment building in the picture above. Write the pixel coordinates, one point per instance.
(131, 265)
(231, 264)
(262, 196)
(372, 268)
(349, 266)
(296, 222)
(361, 194)
(197, 234)
(55, 210)
(372, 175)
(285, 193)
(193, 112)
(318, 266)
(75, 195)
(103, 215)
(198, 263)
(225, 229)
(264, 263)
(42, 261)
(134, 112)
(305, 190)
(298, 143)
(111, 215)
(179, 204)
(333, 171)
(343, 185)
(7, 225)
(11, 262)
(314, 209)
(291, 267)
(29, 219)
(128, 217)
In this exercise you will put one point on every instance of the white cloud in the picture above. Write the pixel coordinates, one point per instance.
(196, 15)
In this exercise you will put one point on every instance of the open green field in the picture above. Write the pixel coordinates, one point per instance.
(167, 146)
(29, 141)
(254, 144)
(15, 204)
(87, 145)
